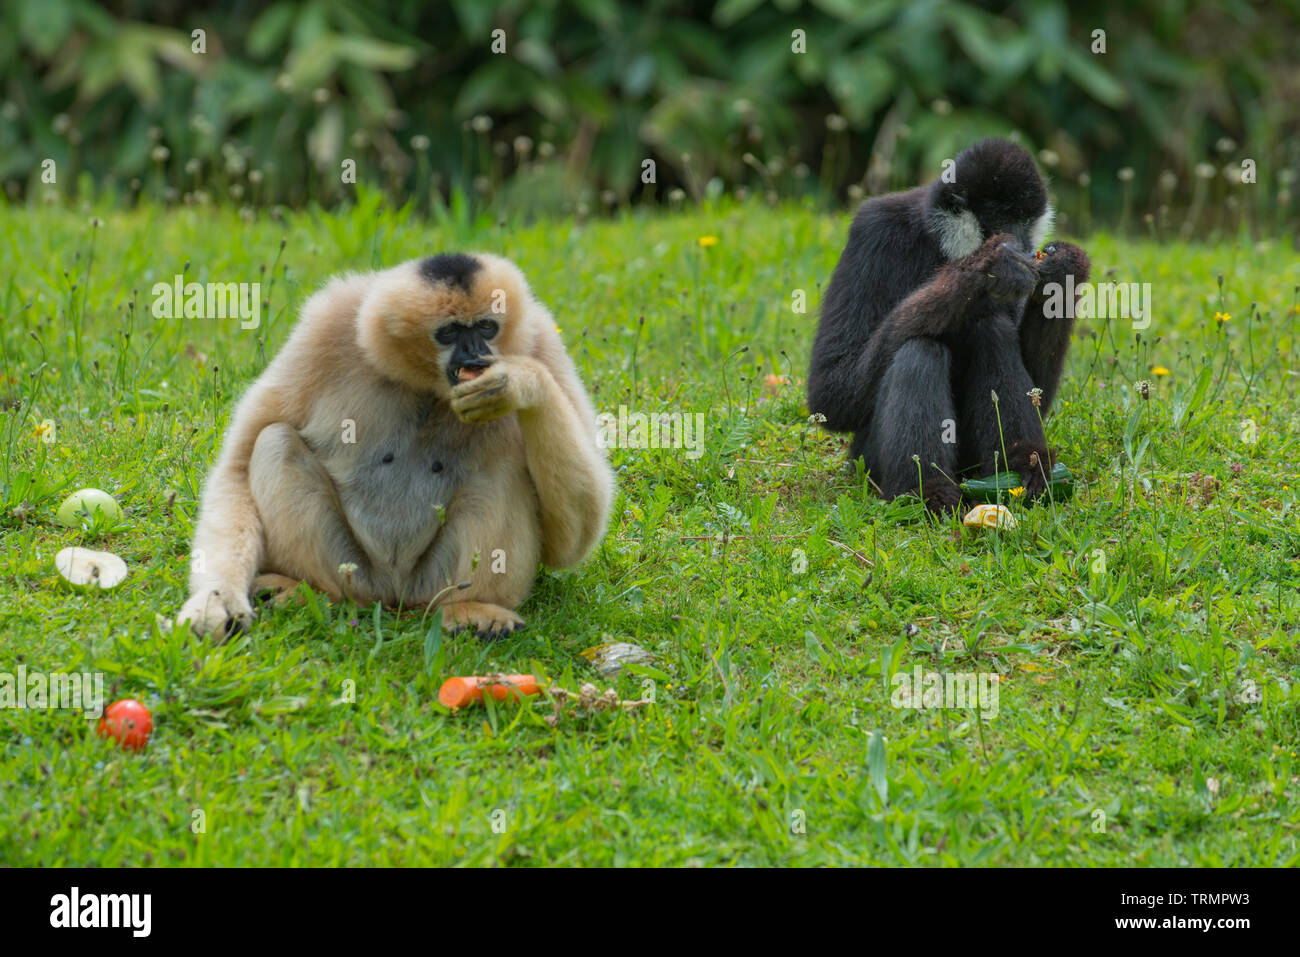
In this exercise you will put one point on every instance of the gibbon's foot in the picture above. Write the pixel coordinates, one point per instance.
(488, 621)
(1033, 465)
(276, 589)
(220, 612)
(943, 500)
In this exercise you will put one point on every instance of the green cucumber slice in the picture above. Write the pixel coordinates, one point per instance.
(1060, 486)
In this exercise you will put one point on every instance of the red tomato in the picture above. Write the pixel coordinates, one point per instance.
(128, 721)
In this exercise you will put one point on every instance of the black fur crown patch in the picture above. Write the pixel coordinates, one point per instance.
(457, 269)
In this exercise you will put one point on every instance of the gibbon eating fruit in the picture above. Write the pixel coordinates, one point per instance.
(938, 303)
(423, 426)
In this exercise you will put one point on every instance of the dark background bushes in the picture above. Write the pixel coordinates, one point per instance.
(1150, 135)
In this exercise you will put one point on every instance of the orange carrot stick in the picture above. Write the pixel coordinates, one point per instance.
(460, 691)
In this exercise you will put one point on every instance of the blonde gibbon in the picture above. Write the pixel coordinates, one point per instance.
(423, 426)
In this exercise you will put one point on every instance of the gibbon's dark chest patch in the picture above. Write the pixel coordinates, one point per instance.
(456, 269)
(399, 478)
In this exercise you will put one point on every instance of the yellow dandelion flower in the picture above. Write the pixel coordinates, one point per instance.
(1159, 370)
(557, 330)
(707, 241)
(1222, 317)
(1018, 491)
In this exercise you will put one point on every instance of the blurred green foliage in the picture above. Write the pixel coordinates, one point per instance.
(270, 100)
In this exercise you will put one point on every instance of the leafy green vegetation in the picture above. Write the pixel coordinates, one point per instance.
(1144, 632)
(560, 104)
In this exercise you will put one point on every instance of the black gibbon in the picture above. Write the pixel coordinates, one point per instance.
(417, 419)
(937, 303)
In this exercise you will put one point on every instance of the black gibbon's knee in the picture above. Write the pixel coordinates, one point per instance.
(990, 430)
(915, 416)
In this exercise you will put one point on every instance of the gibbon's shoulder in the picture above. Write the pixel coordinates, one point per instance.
(896, 226)
(332, 309)
(906, 209)
(322, 343)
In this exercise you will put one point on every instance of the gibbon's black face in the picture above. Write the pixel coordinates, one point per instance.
(471, 352)
(996, 189)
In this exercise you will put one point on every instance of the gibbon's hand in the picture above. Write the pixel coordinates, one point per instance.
(1007, 273)
(217, 611)
(1060, 260)
(507, 385)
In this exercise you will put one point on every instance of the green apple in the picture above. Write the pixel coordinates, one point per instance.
(85, 568)
(90, 508)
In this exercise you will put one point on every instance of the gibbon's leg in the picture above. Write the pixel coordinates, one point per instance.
(498, 523)
(915, 416)
(941, 308)
(1044, 340)
(307, 536)
(994, 365)
(573, 481)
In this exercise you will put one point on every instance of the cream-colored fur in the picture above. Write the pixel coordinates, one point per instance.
(439, 484)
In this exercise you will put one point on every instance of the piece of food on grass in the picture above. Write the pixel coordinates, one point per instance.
(990, 516)
(467, 689)
(89, 505)
(1060, 485)
(610, 658)
(128, 722)
(87, 568)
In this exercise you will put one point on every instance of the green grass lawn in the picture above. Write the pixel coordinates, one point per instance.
(1147, 713)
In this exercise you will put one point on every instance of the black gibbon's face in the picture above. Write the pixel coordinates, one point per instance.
(1028, 222)
(466, 348)
(997, 189)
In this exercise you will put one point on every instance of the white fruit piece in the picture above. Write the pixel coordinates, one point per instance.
(87, 568)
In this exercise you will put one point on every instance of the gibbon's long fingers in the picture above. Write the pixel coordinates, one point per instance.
(484, 403)
(573, 481)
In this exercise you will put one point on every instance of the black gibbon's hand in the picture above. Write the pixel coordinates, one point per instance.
(1008, 273)
(1059, 260)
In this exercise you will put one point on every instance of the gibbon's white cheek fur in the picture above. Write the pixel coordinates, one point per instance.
(958, 233)
(353, 463)
(1043, 227)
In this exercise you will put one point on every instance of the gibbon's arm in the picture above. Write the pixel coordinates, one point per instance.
(1044, 340)
(934, 310)
(574, 483)
(228, 541)
(568, 469)
(931, 312)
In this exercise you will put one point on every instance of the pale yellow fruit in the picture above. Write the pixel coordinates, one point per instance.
(990, 516)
